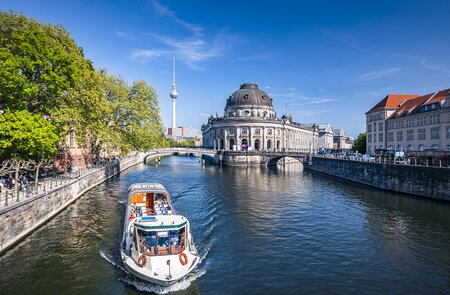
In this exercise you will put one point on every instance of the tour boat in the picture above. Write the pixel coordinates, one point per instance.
(157, 243)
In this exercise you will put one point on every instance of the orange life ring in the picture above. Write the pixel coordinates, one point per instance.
(183, 258)
(142, 261)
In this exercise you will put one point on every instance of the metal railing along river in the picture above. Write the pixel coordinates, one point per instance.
(10, 196)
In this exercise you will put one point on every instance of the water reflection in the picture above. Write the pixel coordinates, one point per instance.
(266, 231)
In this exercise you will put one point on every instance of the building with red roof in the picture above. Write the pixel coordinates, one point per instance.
(409, 122)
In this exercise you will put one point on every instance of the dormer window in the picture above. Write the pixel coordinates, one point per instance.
(246, 113)
(263, 97)
(246, 96)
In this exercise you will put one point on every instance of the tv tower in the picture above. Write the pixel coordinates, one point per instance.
(173, 95)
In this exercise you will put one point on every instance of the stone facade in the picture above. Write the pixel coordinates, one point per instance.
(431, 182)
(250, 123)
(326, 134)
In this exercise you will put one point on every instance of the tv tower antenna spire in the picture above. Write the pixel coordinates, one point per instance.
(174, 95)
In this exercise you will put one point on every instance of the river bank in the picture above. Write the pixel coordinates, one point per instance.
(20, 219)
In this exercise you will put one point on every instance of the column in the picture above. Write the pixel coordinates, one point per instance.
(225, 141)
(263, 144)
(250, 140)
(238, 141)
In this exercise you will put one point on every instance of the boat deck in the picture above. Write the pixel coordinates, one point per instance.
(159, 208)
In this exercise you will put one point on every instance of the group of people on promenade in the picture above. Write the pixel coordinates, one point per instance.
(10, 183)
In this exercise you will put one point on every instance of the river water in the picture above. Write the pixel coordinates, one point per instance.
(261, 231)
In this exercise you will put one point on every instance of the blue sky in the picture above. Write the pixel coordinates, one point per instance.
(328, 61)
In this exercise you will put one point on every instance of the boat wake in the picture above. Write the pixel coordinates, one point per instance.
(110, 260)
(143, 286)
(152, 288)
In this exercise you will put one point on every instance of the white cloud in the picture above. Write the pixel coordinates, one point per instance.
(378, 74)
(296, 98)
(191, 51)
(165, 11)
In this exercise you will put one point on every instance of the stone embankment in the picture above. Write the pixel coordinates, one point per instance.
(19, 219)
(431, 182)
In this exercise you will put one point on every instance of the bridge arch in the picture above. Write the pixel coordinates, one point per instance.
(273, 161)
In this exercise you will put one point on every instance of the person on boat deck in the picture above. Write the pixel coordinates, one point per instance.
(133, 208)
(174, 241)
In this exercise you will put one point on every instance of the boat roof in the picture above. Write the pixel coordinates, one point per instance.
(147, 186)
(157, 222)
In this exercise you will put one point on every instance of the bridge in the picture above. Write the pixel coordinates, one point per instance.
(198, 152)
(267, 158)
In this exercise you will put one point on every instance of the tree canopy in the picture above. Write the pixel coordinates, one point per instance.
(45, 73)
(360, 143)
(27, 136)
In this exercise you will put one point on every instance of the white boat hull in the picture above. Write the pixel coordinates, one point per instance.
(158, 273)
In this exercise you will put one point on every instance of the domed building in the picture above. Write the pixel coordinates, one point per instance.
(250, 123)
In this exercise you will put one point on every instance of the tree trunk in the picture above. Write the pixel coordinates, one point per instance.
(36, 179)
(16, 184)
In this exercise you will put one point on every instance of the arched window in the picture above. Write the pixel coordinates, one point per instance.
(435, 146)
(246, 113)
(232, 144)
(244, 144)
(421, 147)
(390, 147)
(278, 145)
(399, 147)
(257, 145)
(410, 147)
(269, 145)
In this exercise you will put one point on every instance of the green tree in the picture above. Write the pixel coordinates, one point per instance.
(43, 71)
(26, 136)
(360, 143)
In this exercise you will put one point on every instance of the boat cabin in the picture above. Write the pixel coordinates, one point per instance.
(160, 240)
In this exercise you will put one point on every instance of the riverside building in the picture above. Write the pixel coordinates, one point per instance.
(410, 123)
(250, 123)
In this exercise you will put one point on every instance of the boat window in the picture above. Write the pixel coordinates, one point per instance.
(182, 238)
(162, 242)
(147, 242)
(175, 247)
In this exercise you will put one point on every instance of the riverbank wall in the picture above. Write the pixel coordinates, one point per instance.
(430, 182)
(20, 219)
